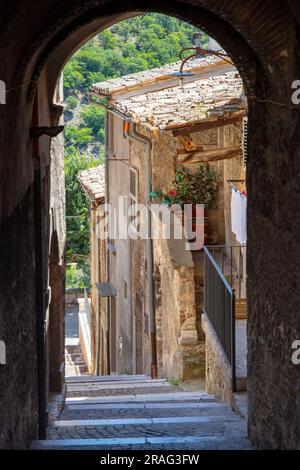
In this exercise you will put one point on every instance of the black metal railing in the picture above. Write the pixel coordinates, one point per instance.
(232, 261)
(219, 306)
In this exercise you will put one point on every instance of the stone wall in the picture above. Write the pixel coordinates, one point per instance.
(57, 259)
(217, 368)
(18, 377)
(72, 296)
(180, 352)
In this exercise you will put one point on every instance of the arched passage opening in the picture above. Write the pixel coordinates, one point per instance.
(255, 35)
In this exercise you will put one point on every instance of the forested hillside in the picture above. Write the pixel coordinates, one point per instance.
(130, 46)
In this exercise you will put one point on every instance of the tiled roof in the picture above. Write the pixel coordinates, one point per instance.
(93, 183)
(215, 97)
(157, 75)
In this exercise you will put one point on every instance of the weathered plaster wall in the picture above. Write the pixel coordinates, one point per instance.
(94, 270)
(120, 261)
(139, 282)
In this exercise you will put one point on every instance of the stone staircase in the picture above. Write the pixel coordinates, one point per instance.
(135, 412)
(75, 365)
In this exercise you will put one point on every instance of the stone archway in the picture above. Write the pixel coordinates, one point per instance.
(263, 40)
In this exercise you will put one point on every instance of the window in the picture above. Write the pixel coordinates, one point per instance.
(133, 190)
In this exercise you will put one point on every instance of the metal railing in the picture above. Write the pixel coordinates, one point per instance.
(231, 259)
(219, 306)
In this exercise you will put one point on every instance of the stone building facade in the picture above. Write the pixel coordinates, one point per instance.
(93, 184)
(152, 119)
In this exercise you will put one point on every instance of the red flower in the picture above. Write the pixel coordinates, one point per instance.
(172, 193)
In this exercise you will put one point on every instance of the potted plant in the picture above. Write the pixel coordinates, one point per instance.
(199, 187)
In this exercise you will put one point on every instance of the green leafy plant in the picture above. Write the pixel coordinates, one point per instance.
(175, 381)
(200, 187)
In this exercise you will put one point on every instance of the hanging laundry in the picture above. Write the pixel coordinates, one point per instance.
(243, 233)
(239, 215)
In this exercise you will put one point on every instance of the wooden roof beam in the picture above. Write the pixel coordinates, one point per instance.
(204, 125)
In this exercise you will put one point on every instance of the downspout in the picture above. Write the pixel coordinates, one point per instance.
(39, 278)
(131, 132)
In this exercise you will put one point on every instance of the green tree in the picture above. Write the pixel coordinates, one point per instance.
(93, 118)
(77, 137)
(77, 207)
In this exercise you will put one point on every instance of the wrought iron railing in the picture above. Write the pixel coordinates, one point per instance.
(219, 306)
(232, 261)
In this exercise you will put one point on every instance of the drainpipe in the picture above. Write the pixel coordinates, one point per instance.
(39, 277)
(131, 132)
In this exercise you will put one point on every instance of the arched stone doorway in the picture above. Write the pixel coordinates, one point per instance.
(261, 38)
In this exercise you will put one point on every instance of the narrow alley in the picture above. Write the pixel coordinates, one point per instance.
(135, 412)
(149, 228)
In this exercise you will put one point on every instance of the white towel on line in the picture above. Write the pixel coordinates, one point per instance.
(239, 216)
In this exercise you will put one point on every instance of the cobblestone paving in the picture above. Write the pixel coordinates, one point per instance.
(141, 413)
(188, 424)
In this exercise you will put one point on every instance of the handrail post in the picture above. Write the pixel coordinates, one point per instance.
(233, 352)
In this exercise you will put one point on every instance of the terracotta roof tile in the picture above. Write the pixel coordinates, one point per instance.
(210, 98)
(93, 183)
(156, 75)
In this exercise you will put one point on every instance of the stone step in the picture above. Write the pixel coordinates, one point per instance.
(150, 443)
(91, 389)
(73, 349)
(76, 369)
(168, 420)
(141, 410)
(142, 398)
(209, 427)
(74, 355)
(110, 378)
(76, 361)
(91, 384)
